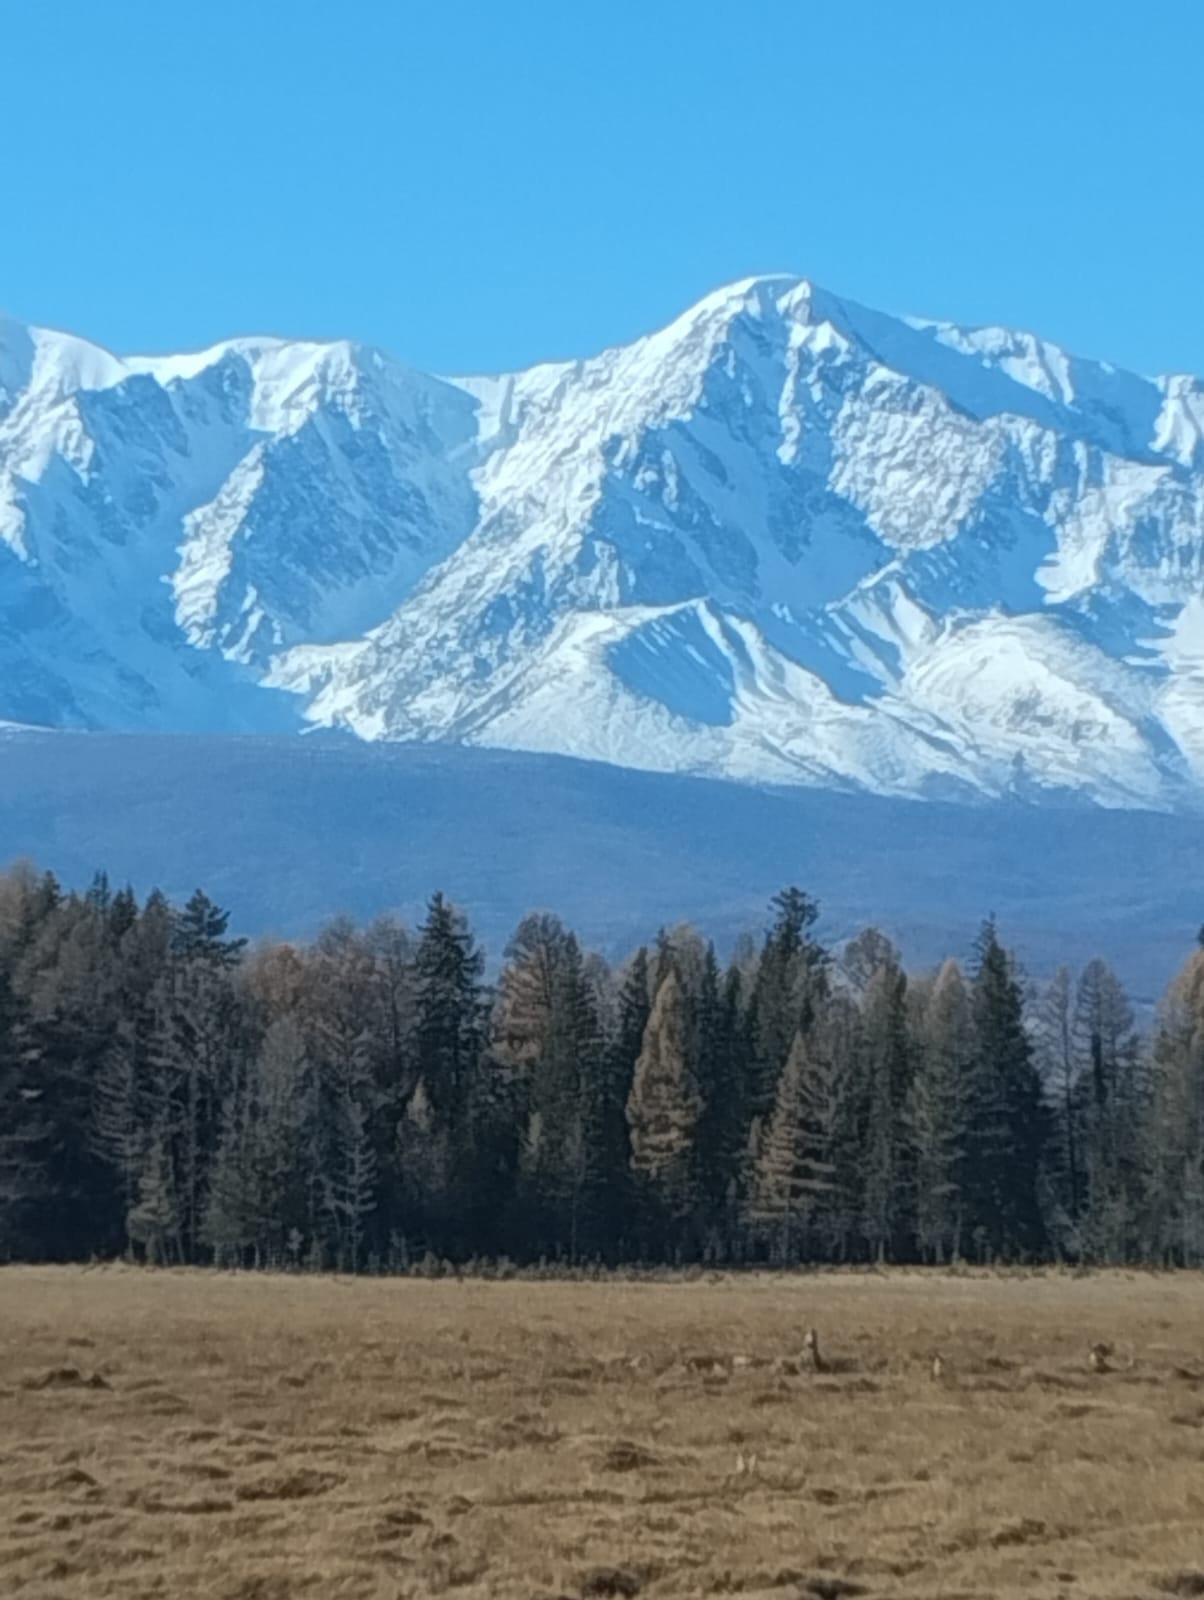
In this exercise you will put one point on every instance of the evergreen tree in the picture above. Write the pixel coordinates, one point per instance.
(345, 1102)
(790, 983)
(1106, 1044)
(448, 1004)
(1007, 1129)
(549, 1010)
(620, 1054)
(199, 933)
(886, 1080)
(720, 1134)
(588, 1105)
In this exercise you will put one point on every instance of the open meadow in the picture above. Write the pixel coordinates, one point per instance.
(192, 1434)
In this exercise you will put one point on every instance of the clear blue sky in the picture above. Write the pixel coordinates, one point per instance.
(480, 185)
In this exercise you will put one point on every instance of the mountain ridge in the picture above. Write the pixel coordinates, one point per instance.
(785, 539)
(288, 832)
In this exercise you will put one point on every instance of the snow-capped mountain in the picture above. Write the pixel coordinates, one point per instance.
(786, 539)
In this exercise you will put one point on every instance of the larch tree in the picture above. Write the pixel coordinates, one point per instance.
(937, 1115)
(1174, 1196)
(796, 1169)
(1059, 1064)
(155, 1222)
(664, 1104)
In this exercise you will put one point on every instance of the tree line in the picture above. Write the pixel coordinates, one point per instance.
(368, 1101)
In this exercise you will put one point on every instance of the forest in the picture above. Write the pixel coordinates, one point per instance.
(370, 1102)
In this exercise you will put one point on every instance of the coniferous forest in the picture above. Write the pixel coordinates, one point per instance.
(369, 1102)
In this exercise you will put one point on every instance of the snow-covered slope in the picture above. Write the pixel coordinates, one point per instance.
(786, 539)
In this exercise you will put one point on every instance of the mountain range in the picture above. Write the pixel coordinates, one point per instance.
(787, 540)
(286, 833)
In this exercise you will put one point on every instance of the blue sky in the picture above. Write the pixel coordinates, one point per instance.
(477, 186)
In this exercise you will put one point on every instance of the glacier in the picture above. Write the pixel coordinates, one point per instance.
(786, 540)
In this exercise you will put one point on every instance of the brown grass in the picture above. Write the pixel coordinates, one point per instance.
(256, 1438)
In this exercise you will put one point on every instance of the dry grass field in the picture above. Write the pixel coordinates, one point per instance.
(255, 1438)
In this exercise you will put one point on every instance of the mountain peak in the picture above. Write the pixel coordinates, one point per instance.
(786, 538)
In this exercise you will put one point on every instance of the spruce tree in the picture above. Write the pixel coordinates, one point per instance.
(886, 1079)
(448, 1004)
(1112, 1096)
(550, 1014)
(621, 1052)
(199, 933)
(1007, 1131)
(720, 1135)
(790, 983)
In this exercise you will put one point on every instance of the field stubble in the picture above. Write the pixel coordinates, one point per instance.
(255, 1438)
